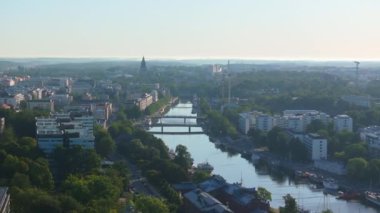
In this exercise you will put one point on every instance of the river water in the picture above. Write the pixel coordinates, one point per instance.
(234, 168)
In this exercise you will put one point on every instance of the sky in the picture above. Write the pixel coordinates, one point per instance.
(180, 29)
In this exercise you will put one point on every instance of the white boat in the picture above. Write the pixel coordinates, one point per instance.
(373, 197)
(330, 184)
(206, 167)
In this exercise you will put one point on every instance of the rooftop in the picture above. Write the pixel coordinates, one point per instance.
(315, 136)
(205, 202)
(214, 183)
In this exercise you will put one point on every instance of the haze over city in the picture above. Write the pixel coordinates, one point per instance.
(248, 29)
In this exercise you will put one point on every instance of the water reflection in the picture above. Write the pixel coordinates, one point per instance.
(234, 168)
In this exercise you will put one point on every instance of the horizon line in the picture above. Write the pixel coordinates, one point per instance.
(179, 58)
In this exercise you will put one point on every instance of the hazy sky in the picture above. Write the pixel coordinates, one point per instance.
(271, 29)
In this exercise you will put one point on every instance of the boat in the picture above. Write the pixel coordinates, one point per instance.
(349, 195)
(299, 174)
(372, 197)
(330, 184)
(206, 167)
(316, 179)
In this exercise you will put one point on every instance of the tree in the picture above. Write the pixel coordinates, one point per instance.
(147, 204)
(105, 146)
(315, 126)
(357, 167)
(183, 157)
(355, 150)
(374, 169)
(264, 194)
(33, 200)
(290, 205)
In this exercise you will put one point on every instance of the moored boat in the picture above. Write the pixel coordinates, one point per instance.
(349, 195)
(372, 197)
(330, 184)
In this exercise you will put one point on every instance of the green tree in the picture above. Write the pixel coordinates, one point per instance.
(374, 170)
(147, 204)
(290, 205)
(355, 150)
(356, 168)
(183, 157)
(105, 146)
(264, 194)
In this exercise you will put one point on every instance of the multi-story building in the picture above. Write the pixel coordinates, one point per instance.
(61, 129)
(316, 146)
(144, 101)
(49, 134)
(311, 116)
(13, 100)
(295, 123)
(61, 99)
(46, 104)
(371, 135)
(247, 120)
(5, 201)
(264, 122)
(342, 123)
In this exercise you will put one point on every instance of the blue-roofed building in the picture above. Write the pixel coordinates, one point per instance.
(197, 201)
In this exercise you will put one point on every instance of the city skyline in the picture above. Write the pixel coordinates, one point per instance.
(269, 30)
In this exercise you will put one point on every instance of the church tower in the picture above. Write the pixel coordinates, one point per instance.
(143, 68)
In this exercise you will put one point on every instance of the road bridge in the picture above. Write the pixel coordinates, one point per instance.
(180, 117)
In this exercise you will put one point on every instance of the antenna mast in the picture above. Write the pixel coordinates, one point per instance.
(357, 72)
(229, 81)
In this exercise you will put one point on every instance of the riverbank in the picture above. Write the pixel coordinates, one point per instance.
(229, 163)
(246, 149)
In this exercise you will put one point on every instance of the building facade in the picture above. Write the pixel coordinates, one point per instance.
(343, 123)
(61, 129)
(41, 104)
(316, 146)
(264, 122)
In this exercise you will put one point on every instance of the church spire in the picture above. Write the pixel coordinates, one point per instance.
(143, 65)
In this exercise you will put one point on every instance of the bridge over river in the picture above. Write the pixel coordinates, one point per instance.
(157, 121)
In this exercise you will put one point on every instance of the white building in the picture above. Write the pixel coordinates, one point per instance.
(316, 146)
(371, 135)
(245, 122)
(298, 120)
(311, 116)
(264, 122)
(295, 123)
(54, 131)
(49, 135)
(342, 122)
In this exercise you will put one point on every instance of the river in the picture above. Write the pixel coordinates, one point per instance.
(234, 168)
